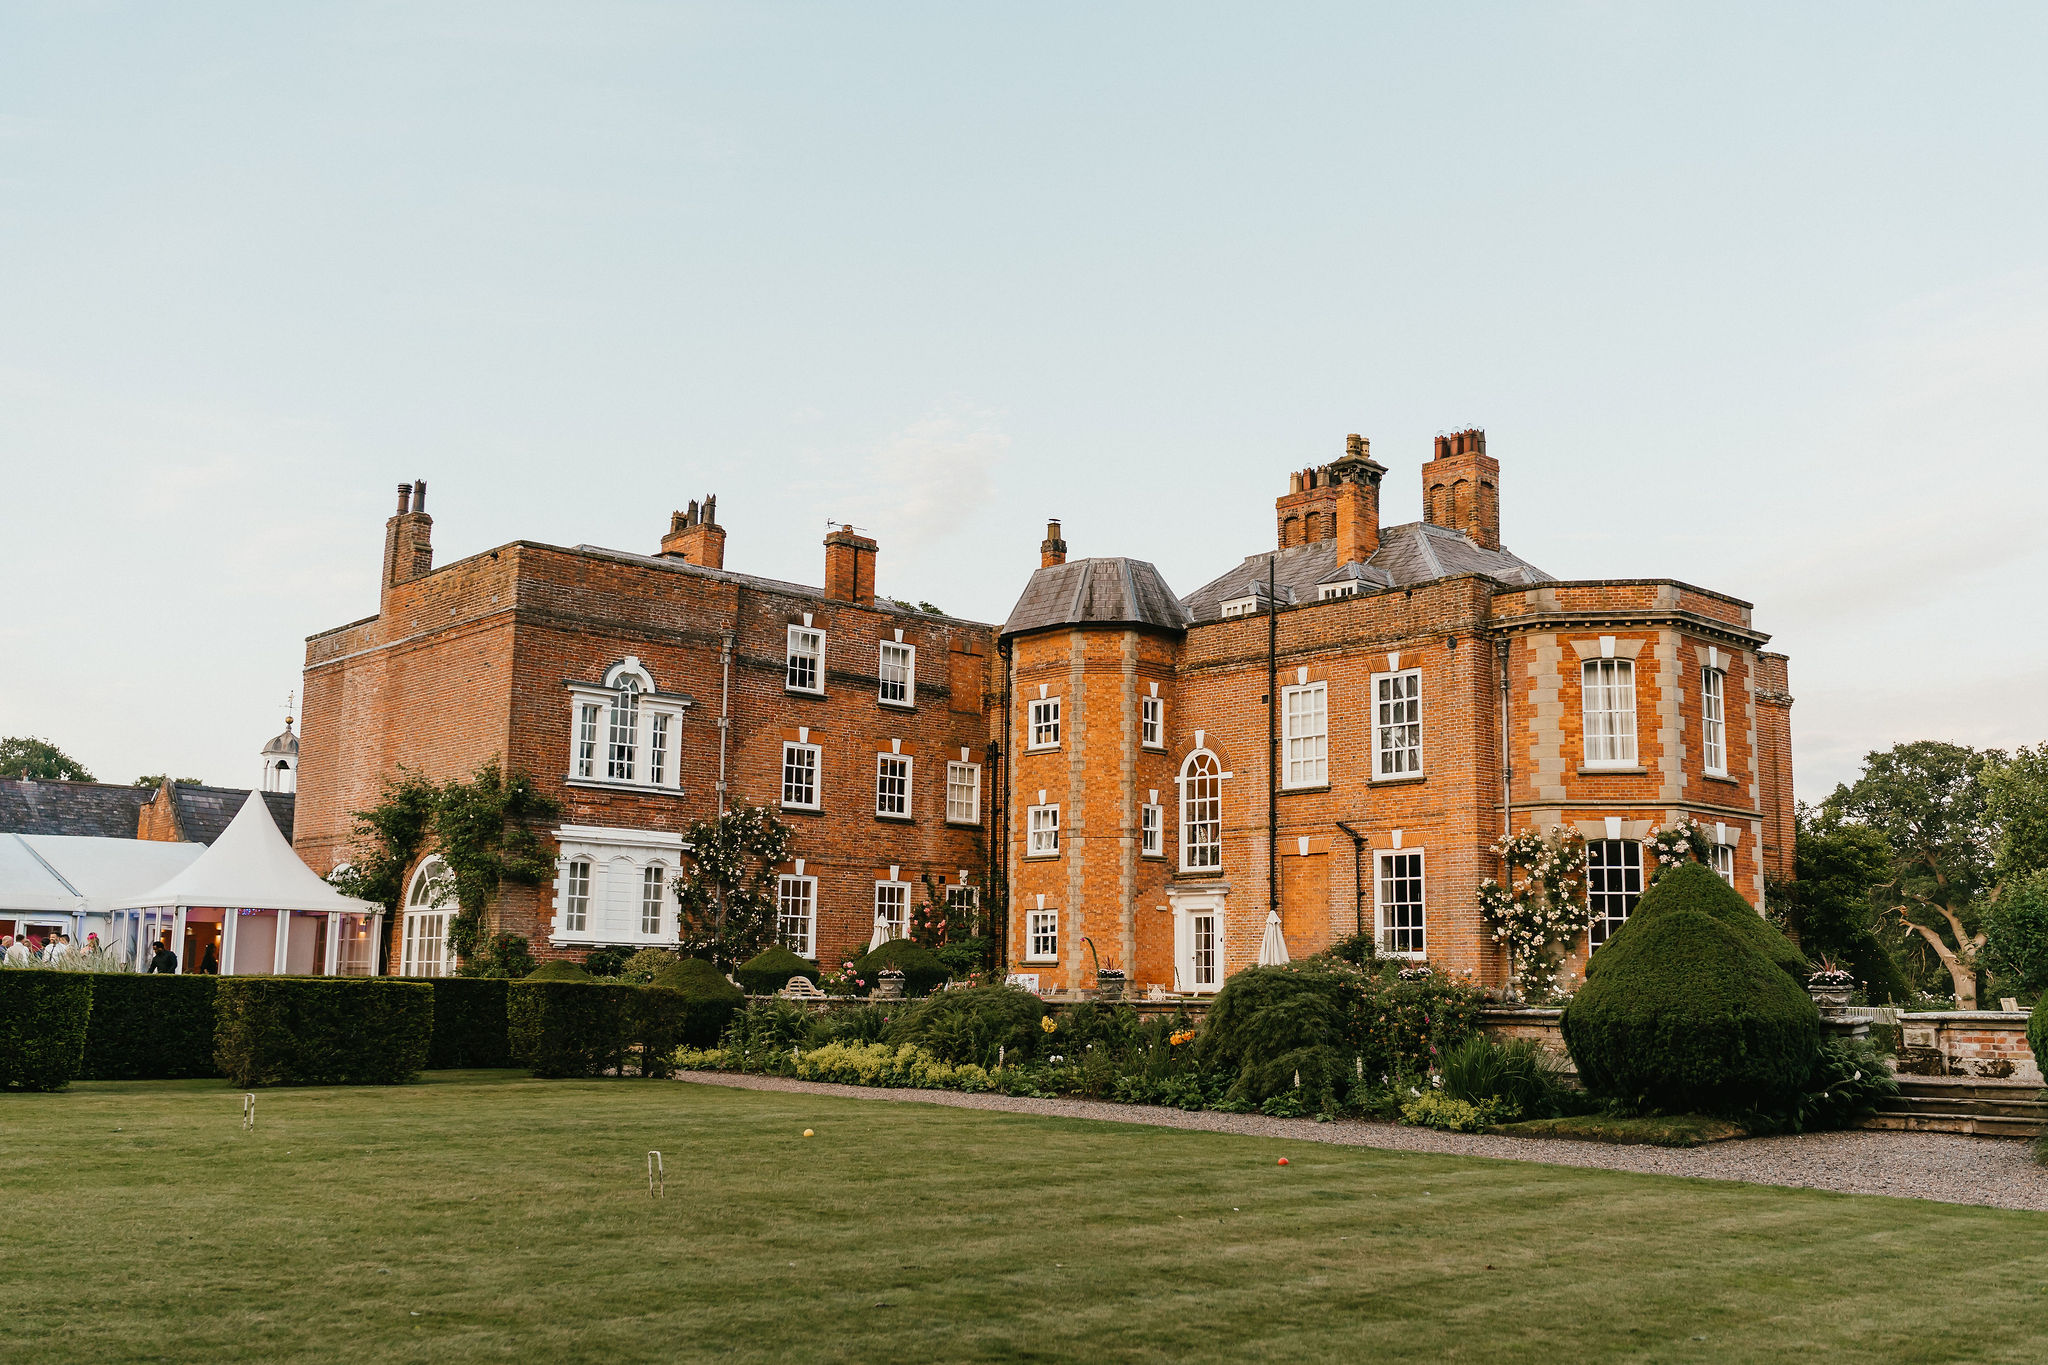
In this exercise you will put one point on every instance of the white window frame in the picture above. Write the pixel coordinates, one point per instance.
(1613, 889)
(967, 812)
(893, 896)
(1042, 718)
(1239, 606)
(1152, 722)
(654, 878)
(1198, 853)
(1151, 831)
(801, 893)
(1042, 831)
(1607, 713)
(961, 896)
(601, 886)
(1714, 720)
(1395, 695)
(429, 905)
(1326, 591)
(632, 747)
(1305, 735)
(576, 896)
(1724, 862)
(1205, 976)
(805, 652)
(816, 756)
(906, 684)
(1041, 935)
(891, 804)
(1401, 940)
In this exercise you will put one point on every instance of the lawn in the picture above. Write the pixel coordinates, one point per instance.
(486, 1216)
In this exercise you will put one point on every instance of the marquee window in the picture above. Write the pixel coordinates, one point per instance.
(1400, 903)
(1152, 722)
(800, 775)
(424, 949)
(1397, 724)
(1043, 825)
(1614, 883)
(1608, 703)
(1042, 941)
(806, 672)
(653, 893)
(1305, 713)
(796, 913)
(963, 793)
(1713, 724)
(624, 730)
(892, 785)
(1151, 831)
(1201, 813)
(899, 674)
(1045, 723)
(892, 908)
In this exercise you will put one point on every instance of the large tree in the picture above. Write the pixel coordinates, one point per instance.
(1931, 803)
(23, 756)
(1828, 905)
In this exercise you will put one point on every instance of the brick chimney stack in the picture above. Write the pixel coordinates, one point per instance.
(1461, 487)
(1052, 550)
(1339, 501)
(695, 537)
(849, 566)
(409, 537)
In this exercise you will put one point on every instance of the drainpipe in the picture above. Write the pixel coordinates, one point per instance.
(1357, 874)
(1272, 741)
(725, 649)
(998, 751)
(1507, 761)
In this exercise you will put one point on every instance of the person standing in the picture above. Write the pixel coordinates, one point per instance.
(164, 960)
(14, 951)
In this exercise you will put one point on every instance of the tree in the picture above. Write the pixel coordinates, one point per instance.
(152, 781)
(2017, 793)
(1931, 803)
(40, 760)
(2016, 935)
(728, 897)
(1828, 905)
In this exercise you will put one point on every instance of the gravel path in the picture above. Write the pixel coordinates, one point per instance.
(1948, 1167)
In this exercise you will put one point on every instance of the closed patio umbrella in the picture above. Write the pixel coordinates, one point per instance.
(1273, 947)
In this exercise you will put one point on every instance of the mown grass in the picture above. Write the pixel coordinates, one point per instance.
(493, 1217)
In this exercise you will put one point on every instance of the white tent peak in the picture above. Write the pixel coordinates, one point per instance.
(251, 867)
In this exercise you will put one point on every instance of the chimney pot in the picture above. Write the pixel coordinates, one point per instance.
(695, 537)
(404, 498)
(1053, 549)
(419, 496)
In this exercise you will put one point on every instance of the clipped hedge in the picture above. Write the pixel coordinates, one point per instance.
(321, 1030)
(43, 1020)
(974, 1027)
(1692, 1020)
(921, 968)
(558, 969)
(1698, 888)
(594, 1028)
(711, 1000)
(150, 1028)
(770, 970)
(469, 1023)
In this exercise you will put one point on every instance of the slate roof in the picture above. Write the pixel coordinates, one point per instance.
(102, 810)
(1408, 555)
(1102, 592)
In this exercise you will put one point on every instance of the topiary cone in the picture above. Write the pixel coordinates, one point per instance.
(1697, 887)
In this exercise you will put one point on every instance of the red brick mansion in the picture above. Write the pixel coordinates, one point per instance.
(1336, 729)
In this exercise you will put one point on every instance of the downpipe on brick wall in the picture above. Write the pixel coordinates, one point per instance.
(1272, 741)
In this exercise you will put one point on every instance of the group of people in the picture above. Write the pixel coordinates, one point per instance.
(28, 952)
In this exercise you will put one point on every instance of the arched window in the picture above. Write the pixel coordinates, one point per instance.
(625, 730)
(1201, 813)
(428, 907)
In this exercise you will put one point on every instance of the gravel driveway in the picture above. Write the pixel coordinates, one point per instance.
(1945, 1166)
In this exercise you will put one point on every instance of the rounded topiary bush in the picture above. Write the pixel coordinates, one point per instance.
(921, 968)
(558, 969)
(1269, 1025)
(711, 999)
(769, 970)
(1697, 887)
(983, 1026)
(1692, 1020)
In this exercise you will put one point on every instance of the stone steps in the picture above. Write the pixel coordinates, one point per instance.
(1985, 1108)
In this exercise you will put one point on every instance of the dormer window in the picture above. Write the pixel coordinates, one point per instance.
(623, 730)
(1348, 588)
(1240, 606)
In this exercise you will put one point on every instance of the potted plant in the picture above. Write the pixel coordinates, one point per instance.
(1109, 983)
(888, 984)
(1830, 985)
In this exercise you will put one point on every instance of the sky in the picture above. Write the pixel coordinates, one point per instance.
(1751, 296)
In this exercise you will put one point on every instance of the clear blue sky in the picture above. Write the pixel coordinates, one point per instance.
(1754, 296)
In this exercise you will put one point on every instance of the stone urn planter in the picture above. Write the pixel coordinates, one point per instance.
(1830, 997)
(1830, 987)
(888, 984)
(1109, 984)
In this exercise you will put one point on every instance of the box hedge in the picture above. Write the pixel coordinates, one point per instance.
(43, 1020)
(469, 1023)
(711, 999)
(150, 1028)
(771, 969)
(1698, 888)
(1691, 1019)
(317, 1030)
(559, 969)
(921, 968)
(594, 1028)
